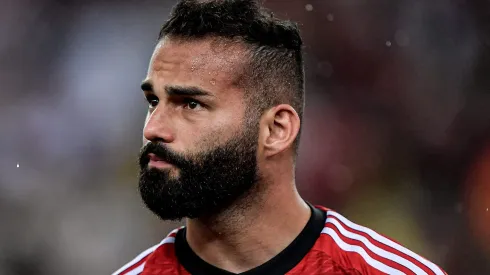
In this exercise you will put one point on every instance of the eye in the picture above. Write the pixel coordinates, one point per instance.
(192, 104)
(152, 101)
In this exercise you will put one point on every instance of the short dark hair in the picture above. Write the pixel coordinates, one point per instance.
(274, 73)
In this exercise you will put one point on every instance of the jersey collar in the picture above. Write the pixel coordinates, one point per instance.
(280, 264)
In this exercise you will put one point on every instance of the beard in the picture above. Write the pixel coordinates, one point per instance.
(206, 183)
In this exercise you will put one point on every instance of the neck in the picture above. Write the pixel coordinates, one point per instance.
(243, 237)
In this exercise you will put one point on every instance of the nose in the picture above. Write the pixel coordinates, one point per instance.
(157, 127)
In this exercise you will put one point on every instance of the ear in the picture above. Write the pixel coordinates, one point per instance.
(279, 128)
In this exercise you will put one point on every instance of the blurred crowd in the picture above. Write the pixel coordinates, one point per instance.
(396, 129)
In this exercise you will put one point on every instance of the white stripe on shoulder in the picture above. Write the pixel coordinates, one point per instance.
(170, 239)
(145, 253)
(137, 270)
(387, 242)
(377, 250)
(167, 240)
(137, 259)
(354, 248)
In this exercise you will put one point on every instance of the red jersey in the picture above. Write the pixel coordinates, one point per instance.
(329, 244)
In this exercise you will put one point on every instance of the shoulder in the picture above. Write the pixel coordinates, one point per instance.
(355, 246)
(136, 265)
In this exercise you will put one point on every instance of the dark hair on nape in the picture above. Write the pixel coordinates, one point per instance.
(274, 74)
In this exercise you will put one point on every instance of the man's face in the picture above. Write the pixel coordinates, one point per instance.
(198, 155)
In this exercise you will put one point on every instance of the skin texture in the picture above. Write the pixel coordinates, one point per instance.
(192, 64)
(245, 234)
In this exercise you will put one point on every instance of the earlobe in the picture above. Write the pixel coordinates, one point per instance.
(283, 127)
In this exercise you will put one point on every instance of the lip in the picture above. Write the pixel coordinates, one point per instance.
(157, 162)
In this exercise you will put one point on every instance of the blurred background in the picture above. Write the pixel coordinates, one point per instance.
(396, 131)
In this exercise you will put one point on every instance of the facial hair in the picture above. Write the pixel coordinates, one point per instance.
(207, 183)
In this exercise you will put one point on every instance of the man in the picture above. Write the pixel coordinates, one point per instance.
(225, 88)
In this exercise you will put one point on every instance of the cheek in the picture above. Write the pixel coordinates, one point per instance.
(212, 130)
(218, 135)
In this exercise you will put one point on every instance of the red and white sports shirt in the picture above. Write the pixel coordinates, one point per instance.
(329, 244)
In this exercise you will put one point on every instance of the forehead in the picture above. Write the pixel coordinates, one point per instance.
(207, 63)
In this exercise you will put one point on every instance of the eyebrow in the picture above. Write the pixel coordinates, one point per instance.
(147, 86)
(186, 91)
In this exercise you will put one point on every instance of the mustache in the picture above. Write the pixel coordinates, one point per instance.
(163, 152)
